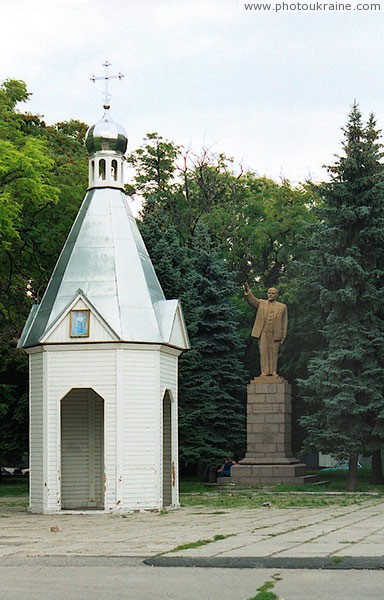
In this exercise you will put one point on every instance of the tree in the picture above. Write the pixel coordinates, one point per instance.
(212, 378)
(43, 174)
(254, 225)
(211, 375)
(344, 281)
(42, 180)
(259, 231)
(25, 187)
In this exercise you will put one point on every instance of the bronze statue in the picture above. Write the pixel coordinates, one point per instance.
(270, 327)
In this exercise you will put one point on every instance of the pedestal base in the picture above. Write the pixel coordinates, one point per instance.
(270, 473)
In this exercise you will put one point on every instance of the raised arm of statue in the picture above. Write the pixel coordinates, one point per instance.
(251, 299)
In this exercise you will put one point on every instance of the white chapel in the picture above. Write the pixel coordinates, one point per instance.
(103, 349)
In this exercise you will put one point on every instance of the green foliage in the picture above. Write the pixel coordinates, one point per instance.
(344, 284)
(43, 173)
(253, 221)
(208, 230)
(211, 379)
(13, 419)
(256, 225)
(154, 164)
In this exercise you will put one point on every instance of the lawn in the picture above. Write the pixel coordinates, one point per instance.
(13, 494)
(330, 491)
(15, 487)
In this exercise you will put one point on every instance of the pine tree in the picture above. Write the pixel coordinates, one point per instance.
(344, 280)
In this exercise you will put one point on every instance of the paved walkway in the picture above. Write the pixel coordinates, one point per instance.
(351, 536)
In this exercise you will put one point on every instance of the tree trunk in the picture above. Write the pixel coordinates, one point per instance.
(352, 474)
(377, 468)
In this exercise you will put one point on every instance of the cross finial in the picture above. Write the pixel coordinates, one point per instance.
(106, 77)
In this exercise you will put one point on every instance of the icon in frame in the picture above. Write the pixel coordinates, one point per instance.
(79, 322)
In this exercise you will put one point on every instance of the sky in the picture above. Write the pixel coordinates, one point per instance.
(270, 88)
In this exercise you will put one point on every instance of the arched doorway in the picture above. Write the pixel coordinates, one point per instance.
(167, 449)
(82, 450)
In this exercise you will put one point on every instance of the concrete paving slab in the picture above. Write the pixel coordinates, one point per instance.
(114, 580)
(363, 550)
(283, 534)
(320, 550)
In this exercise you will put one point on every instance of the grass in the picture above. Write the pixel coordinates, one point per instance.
(199, 543)
(14, 493)
(332, 493)
(13, 503)
(336, 481)
(264, 591)
(14, 487)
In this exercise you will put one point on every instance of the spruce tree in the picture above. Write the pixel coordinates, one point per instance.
(212, 376)
(344, 282)
(212, 379)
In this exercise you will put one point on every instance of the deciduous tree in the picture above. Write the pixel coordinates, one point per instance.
(42, 180)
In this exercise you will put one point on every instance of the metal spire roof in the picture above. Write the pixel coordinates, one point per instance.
(105, 257)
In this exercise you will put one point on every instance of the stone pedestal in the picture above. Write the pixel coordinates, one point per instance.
(269, 458)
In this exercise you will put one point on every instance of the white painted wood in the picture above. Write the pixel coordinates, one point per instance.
(99, 452)
(120, 438)
(106, 170)
(98, 329)
(74, 451)
(76, 367)
(141, 409)
(131, 379)
(36, 432)
(179, 335)
(169, 383)
(81, 450)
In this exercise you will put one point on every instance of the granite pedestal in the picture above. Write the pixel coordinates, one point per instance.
(269, 458)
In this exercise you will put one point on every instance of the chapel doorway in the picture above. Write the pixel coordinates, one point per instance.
(82, 450)
(167, 449)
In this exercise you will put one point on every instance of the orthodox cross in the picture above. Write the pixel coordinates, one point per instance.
(106, 77)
